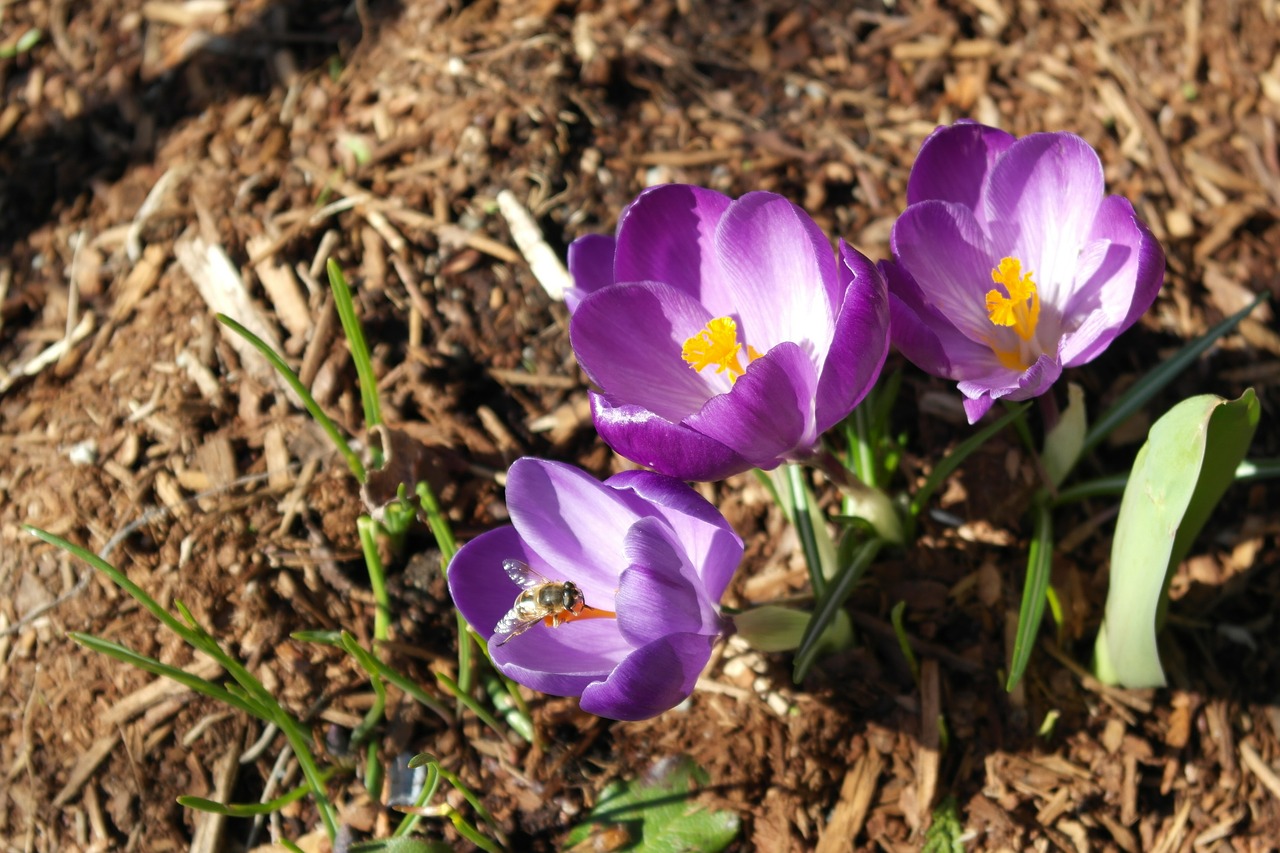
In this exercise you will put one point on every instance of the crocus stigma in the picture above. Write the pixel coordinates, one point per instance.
(723, 333)
(608, 591)
(1010, 263)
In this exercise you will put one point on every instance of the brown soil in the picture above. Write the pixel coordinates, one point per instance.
(136, 134)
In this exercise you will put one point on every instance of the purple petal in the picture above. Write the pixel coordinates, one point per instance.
(860, 343)
(590, 266)
(660, 492)
(655, 596)
(480, 588)
(1032, 382)
(942, 247)
(976, 407)
(769, 413)
(655, 442)
(712, 546)
(1041, 200)
(781, 273)
(653, 679)
(954, 161)
(1121, 287)
(628, 339)
(564, 660)
(573, 523)
(666, 235)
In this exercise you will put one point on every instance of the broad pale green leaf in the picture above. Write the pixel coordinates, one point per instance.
(660, 815)
(1178, 478)
(1064, 442)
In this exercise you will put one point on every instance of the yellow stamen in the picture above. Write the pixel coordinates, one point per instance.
(717, 346)
(1021, 308)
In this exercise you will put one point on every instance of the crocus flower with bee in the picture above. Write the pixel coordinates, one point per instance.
(608, 591)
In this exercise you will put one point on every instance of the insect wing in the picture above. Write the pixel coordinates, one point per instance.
(510, 623)
(523, 574)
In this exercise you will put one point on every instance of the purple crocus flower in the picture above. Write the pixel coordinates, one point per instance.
(722, 333)
(606, 591)
(1072, 268)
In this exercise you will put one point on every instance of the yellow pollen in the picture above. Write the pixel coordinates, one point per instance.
(1021, 308)
(717, 346)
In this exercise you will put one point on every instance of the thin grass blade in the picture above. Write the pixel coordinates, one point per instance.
(828, 606)
(313, 408)
(1034, 598)
(952, 460)
(355, 341)
(1164, 373)
(124, 654)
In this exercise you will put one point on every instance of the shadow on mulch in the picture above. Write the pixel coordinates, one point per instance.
(50, 168)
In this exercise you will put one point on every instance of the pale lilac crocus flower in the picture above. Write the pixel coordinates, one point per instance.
(648, 559)
(1010, 262)
(723, 334)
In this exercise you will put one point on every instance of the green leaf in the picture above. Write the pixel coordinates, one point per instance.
(1063, 443)
(775, 628)
(1034, 593)
(25, 42)
(127, 655)
(660, 814)
(1178, 477)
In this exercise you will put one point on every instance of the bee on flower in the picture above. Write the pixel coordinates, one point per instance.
(607, 591)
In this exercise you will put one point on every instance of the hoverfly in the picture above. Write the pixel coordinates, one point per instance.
(539, 599)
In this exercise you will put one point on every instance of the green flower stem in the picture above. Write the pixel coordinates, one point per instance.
(438, 523)
(805, 530)
(368, 529)
(862, 455)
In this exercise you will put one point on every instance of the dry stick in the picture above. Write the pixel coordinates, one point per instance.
(50, 355)
(928, 752)
(850, 813)
(1260, 768)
